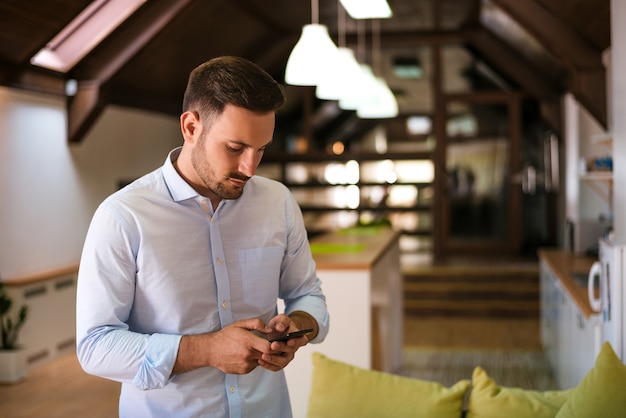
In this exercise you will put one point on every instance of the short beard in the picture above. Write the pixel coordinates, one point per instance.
(205, 172)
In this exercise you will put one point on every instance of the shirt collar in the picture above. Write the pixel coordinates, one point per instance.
(178, 187)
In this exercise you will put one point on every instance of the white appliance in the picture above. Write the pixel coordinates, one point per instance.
(609, 272)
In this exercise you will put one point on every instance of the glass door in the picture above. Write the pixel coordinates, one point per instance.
(480, 204)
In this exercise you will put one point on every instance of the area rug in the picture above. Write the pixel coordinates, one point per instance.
(523, 369)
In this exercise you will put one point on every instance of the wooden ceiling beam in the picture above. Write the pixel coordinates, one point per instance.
(506, 61)
(584, 62)
(32, 80)
(99, 67)
(500, 56)
(562, 41)
(589, 88)
(415, 38)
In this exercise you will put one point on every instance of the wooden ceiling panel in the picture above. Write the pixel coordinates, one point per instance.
(202, 31)
(26, 26)
(527, 46)
(589, 18)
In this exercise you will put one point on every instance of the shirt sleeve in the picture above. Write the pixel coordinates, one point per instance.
(301, 288)
(106, 282)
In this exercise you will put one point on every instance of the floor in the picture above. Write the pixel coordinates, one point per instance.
(472, 333)
(60, 389)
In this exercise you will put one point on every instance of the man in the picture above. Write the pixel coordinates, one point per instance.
(181, 270)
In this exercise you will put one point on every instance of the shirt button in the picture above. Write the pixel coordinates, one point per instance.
(224, 305)
(218, 261)
(232, 389)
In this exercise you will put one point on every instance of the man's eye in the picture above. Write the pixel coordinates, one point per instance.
(229, 148)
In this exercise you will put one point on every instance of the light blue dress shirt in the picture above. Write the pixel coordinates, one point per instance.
(159, 263)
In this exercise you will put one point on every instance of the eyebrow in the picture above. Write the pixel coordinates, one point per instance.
(234, 141)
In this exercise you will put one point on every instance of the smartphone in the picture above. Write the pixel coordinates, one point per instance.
(289, 335)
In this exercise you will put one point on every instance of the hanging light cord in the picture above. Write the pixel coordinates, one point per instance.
(315, 12)
(376, 52)
(341, 25)
(360, 40)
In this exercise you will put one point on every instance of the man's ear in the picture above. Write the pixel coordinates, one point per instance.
(190, 126)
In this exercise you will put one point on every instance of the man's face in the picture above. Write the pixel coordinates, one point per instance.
(228, 152)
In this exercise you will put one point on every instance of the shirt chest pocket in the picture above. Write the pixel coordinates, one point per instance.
(260, 274)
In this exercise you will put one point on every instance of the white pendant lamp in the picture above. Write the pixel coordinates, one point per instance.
(362, 91)
(342, 78)
(385, 106)
(344, 70)
(314, 52)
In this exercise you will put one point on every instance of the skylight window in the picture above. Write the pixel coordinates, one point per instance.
(84, 33)
(367, 9)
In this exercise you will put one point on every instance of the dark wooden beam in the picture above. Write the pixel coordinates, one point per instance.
(411, 39)
(502, 58)
(584, 62)
(102, 64)
(83, 109)
(557, 37)
(589, 88)
(37, 81)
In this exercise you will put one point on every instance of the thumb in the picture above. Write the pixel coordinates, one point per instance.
(253, 324)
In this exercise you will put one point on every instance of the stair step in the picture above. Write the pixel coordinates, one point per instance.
(444, 287)
(472, 292)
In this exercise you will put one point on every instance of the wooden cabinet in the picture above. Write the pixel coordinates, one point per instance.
(50, 329)
(570, 332)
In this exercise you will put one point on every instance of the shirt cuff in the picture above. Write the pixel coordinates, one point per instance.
(158, 362)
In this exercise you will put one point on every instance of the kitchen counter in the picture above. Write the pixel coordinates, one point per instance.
(568, 268)
(352, 248)
(360, 273)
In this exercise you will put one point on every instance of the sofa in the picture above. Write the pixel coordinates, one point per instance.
(343, 390)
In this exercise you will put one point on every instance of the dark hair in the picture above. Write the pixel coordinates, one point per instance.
(231, 80)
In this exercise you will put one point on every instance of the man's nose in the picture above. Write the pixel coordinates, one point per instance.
(248, 164)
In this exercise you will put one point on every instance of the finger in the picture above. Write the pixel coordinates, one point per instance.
(276, 361)
(253, 324)
(269, 366)
(290, 345)
(280, 323)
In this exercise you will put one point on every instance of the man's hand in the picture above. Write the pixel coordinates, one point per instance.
(235, 349)
(282, 352)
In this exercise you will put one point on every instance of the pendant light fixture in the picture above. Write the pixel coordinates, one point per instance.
(361, 89)
(314, 52)
(385, 106)
(342, 74)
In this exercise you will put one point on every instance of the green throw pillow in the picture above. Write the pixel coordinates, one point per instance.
(488, 400)
(602, 392)
(343, 390)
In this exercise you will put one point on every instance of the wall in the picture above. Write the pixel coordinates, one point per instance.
(617, 108)
(49, 189)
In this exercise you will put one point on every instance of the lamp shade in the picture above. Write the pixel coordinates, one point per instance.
(339, 77)
(363, 90)
(313, 53)
(385, 106)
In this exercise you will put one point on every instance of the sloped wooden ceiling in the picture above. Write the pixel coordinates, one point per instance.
(541, 47)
